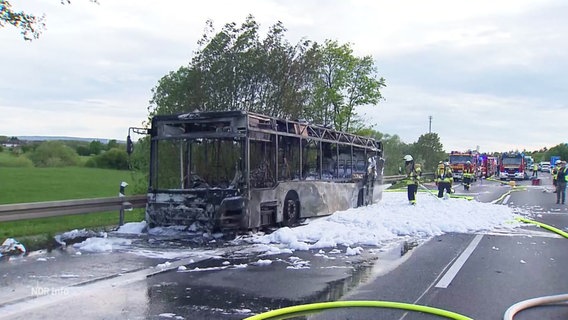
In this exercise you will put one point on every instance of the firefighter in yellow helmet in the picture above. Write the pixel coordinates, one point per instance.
(444, 178)
(413, 174)
(467, 175)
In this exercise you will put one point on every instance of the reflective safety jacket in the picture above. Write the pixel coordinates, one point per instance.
(561, 174)
(555, 172)
(413, 173)
(444, 174)
(468, 172)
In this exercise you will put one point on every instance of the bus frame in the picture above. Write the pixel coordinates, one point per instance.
(243, 170)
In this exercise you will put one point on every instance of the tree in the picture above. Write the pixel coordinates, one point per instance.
(112, 159)
(112, 144)
(430, 150)
(394, 149)
(344, 82)
(30, 25)
(95, 147)
(83, 150)
(54, 154)
(178, 91)
(558, 150)
(235, 69)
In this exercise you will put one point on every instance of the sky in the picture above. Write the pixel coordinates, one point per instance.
(491, 74)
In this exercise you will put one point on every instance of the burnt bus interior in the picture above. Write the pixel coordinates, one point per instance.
(209, 150)
(204, 166)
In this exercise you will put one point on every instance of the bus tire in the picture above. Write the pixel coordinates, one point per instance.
(291, 212)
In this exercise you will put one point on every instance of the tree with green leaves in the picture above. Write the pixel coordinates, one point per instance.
(30, 25)
(394, 151)
(95, 147)
(112, 144)
(235, 69)
(558, 150)
(54, 154)
(430, 150)
(344, 82)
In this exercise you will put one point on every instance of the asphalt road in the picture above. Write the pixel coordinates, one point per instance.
(501, 270)
(478, 276)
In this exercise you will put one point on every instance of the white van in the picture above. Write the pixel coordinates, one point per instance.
(544, 166)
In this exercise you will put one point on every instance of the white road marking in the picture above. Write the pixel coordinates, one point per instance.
(458, 264)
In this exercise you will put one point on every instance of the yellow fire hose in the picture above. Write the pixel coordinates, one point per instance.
(520, 306)
(295, 311)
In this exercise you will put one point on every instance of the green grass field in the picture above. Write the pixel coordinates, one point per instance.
(19, 185)
(30, 184)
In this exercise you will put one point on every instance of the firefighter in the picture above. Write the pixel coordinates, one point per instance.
(467, 175)
(555, 172)
(413, 174)
(444, 178)
(535, 170)
(561, 179)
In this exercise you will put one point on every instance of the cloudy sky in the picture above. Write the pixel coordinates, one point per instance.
(492, 74)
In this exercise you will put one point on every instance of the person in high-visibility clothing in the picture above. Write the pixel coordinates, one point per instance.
(413, 174)
(535, 170)
(444, 179)
(554, 172)
(467, 175)
(561, 178)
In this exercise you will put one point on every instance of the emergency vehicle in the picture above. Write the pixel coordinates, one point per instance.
(458, 160)
(487, 165)
(512, 166)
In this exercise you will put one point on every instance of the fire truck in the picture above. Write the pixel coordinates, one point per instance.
(458, 160)
(512, 166)
(487, 165)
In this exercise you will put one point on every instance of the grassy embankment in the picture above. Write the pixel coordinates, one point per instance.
(29, 184)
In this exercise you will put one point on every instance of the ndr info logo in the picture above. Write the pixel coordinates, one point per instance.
(46, 291)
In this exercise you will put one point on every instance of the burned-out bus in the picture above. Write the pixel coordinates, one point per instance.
(242, 170)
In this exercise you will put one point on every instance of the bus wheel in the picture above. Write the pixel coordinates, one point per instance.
(291, 214)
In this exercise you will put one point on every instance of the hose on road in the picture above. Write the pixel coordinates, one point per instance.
(520, 306)
(545, 226)
(295, 311)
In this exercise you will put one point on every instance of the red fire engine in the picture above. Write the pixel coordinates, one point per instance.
(488, 165)
(458, 160)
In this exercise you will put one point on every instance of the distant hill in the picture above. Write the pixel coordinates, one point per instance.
(49, 138)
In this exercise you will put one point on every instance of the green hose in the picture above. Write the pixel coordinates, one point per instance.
(545, 226)
(520, 306)
(294, 311)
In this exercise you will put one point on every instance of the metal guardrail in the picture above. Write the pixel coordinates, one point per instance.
(34, 210)
(393, 178)
(402, 176)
